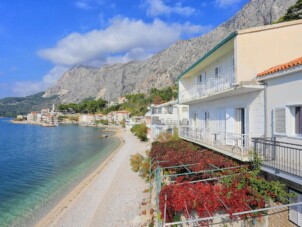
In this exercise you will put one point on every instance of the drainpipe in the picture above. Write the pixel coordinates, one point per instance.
(265, 109)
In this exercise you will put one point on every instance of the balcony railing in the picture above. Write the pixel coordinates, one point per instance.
(280, 156)
(235, 145)
(214, 84)
(167, 122)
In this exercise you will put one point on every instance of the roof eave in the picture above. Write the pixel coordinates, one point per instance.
(224, 41)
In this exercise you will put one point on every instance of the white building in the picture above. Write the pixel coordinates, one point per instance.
(226, 102)
(135, 120)
(165, 118)
(122, 115)
(87, 119)
(281, 149)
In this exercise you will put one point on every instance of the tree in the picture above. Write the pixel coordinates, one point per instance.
(140, 131)
(293, 13)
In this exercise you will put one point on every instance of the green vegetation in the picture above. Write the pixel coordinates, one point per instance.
(140, 131)
(293, 13)
(111, 108)
(164, 95)
(141, 164)
(137, 104)
(69, 117)
(103, 122)
(86, 106)
(13, 106)
(168, 137)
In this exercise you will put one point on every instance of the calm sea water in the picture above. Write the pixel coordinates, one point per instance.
(38, 166)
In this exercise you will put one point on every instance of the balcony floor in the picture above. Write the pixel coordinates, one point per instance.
(233, 91)
(232, 151)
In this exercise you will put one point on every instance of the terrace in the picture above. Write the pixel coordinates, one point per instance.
(238, 146)
(198, 187)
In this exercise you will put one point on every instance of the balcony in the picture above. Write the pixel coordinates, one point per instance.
(165, 122)
(280, 158)
(238, 146)
(213, 85)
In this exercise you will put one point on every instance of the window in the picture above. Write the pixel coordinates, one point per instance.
(194, 119)
(217, 71)
(279, 121)
(206, 119)
(295, 212)
(202, 78)
(298, 120)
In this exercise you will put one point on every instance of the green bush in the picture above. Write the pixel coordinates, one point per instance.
(141, 164)
(103, 122)
(140, 131)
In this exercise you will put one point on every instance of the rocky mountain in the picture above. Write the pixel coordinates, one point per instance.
(113, 81)
(159, 71)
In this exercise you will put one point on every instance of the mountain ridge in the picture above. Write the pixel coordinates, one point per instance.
(160, 70)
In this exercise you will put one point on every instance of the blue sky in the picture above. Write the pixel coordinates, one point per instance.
(40, 39)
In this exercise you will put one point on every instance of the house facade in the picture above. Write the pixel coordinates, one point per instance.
(135, 120)
(281, 149)
(122, 115)
(87, 119)
(226, 102)
(165, 118)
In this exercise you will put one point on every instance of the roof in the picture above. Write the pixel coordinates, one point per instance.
(240, 32)
(170, 103)
(281, 67)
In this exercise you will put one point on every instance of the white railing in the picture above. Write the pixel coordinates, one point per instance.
(233, 143)
(214, 84)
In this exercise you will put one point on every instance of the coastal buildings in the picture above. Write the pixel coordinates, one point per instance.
(245, 95)
(121, 116)
(226, 102)
(166, 117)
(116, 117)
(135, 120)
(44, 118)
(281, 148)
(87, 119)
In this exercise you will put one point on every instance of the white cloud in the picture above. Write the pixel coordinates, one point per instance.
(82, 5)
(25, 88)
(158, 7)
(88, 4)
(123, 37)
(227, 3)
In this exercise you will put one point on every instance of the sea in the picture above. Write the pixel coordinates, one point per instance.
(39, 166)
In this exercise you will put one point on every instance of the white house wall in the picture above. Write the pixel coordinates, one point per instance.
(225, 63)
(252, 102)
(284, 91)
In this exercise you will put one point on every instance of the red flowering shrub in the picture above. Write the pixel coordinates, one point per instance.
(241, 190)
(182, 152)
(237, 192)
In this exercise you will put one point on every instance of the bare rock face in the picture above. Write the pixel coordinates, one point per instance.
(161, 70)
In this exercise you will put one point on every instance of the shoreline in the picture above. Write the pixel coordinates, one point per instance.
(71, 197)
(32, 123)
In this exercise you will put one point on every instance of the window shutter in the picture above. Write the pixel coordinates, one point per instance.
(280, 121)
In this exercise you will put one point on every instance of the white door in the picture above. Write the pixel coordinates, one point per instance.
(193, 120)
(230, 125)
